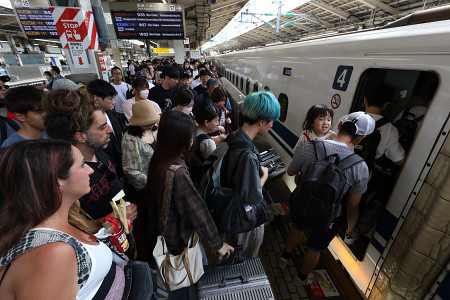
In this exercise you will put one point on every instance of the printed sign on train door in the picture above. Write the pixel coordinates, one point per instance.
(342, 78)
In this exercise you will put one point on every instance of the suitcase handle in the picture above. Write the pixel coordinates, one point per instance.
(232, 276)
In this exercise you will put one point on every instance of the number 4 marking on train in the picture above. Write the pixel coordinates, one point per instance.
(342, 78)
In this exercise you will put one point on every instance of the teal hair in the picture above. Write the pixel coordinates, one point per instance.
(261, 106)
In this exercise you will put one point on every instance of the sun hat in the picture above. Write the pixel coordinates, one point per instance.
(65, 83)
(144, 113)
(364, 123)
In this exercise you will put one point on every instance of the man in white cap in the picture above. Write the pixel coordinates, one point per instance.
(352, 129)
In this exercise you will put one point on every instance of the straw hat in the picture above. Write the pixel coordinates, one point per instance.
(143, 114)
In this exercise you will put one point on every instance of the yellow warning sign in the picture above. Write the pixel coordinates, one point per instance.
(161, 50)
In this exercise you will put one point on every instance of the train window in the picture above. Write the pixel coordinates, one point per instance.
(241, 84)
(247, 86)
(409, 94)
(255, 86)
(284, 101)
(232, 77)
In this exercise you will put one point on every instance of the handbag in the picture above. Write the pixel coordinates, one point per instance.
(185, 269)
(140, 282)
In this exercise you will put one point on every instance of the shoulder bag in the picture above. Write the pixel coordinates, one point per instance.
(185, 269)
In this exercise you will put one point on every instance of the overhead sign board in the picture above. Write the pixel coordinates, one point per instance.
(167, 25)
(37, 23)
(195, 54)
(163, 50)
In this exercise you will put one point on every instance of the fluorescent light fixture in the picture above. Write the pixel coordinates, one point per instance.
(236, 28)
(164, 1)
(48, 41)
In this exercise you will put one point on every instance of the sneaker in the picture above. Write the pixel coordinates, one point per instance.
(350, 238)
(282, 263)
(310, 279)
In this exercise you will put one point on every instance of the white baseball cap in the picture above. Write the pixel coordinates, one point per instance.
(364, 123)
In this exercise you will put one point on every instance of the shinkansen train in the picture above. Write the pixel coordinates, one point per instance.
(408, 254)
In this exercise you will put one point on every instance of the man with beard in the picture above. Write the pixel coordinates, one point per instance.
(80, 120)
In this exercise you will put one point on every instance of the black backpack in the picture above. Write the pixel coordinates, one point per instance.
(367, 148)
(317, 200)
(407, 128)
(3, 130)
(227, 208)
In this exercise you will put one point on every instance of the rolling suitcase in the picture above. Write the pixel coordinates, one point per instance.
(244, 280)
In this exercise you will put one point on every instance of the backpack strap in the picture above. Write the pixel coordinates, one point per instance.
(319, 148)
(350, 161)
(107, 283)
(167, 196)
(381, 122)
(3, 130)
(307, 136)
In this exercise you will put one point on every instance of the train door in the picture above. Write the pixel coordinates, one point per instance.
(411, 95)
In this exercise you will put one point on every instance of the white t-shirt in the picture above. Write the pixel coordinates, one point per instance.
(121, 95)
(132, 69)
(313, 137)
(389, 143)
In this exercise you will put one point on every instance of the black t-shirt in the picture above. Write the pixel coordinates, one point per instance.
(104, 186)
(200, 90)
(160, 94)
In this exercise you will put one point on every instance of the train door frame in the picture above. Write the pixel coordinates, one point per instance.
(418, 180)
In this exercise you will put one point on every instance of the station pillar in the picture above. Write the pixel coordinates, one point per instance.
(16, 53)
(116, 53)
(178, 48)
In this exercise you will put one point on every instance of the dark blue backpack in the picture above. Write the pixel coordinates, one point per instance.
(317, 200)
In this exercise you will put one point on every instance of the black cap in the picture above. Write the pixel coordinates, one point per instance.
(5, 78)
(205, 72)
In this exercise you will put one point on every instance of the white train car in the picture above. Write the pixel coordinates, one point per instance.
(410, 248)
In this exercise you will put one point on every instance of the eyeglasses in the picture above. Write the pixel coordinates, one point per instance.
(4, 87)
(102, 168)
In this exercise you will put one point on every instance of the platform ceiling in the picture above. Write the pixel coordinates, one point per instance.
(204, 20)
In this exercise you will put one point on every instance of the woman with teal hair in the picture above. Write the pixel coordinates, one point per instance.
(259, 111)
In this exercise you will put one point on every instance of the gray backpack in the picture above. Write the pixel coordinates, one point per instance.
(317, 200)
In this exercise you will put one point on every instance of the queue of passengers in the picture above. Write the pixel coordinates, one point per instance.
(75, 151)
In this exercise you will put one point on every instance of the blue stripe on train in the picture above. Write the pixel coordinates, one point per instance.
(385, 228)
(281, 144)
(287, 135)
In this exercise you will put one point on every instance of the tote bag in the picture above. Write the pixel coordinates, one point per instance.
(185, 269)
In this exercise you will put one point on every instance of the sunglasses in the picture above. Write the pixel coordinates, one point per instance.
(4, 87)
(102, 168)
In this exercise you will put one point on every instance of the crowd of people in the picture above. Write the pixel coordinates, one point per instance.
(68, 152)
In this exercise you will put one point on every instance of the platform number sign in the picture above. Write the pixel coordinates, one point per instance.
(342, 78)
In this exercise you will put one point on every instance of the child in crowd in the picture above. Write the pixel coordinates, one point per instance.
(25, 103)
(317, 125)
(219, 98)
